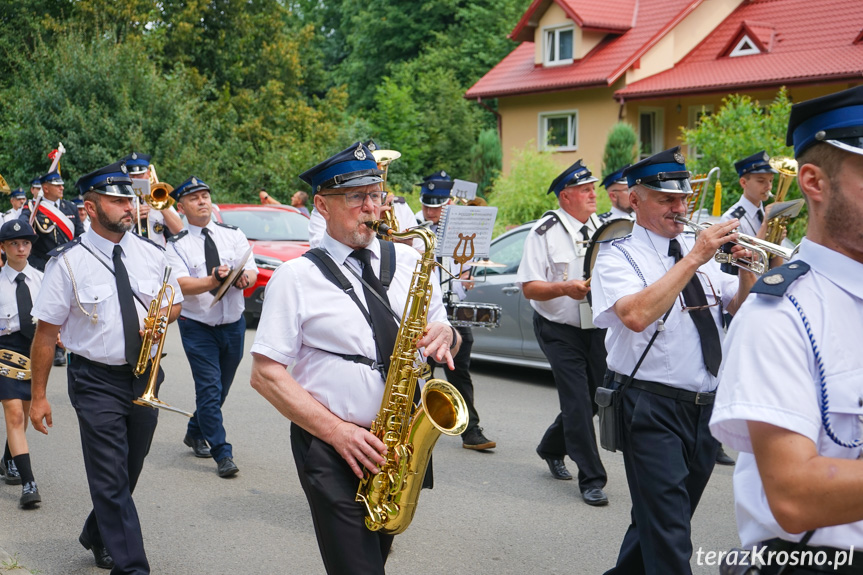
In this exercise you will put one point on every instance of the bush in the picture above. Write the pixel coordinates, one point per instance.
(520, 195)
(621, 148)
(486, 159)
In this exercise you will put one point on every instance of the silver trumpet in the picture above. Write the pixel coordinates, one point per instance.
(761, 250)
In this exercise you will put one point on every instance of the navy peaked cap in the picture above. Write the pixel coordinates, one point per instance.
(137, 163)
(575, 175)
(36, 183)
(758, 163)
(190, 186)
(435, 189)
(351, 168)
(112, 180)
(614, 178)
(15, 229)
(664, 172)
(52, 178)
(18, 193)
(835, 119)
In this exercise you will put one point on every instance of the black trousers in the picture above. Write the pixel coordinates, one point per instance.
(669, 454)
(347, 546)
(577, 358)
(460, 376)
(115, 436)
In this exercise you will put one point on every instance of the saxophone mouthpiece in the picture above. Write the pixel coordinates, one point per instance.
(380, 227)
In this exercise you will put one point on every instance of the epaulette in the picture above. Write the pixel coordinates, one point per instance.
(777, 281)
(229, 226)
(399, 200)
(605, 216)
(148, 240)
(547, 224)
(176, 237)
(739, 212)
(64, 247)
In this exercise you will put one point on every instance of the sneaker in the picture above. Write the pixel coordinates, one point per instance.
(474, 439)
(30, 495)
(10, 471)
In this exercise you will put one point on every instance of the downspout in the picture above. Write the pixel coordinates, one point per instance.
(496, 115)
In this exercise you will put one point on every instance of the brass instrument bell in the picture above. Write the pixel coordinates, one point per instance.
(384, 158)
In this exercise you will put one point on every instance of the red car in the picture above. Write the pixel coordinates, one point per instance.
(277, 234)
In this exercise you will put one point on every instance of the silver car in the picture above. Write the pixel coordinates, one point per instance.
(514, 341)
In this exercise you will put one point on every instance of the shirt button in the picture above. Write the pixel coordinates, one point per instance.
(860, 402)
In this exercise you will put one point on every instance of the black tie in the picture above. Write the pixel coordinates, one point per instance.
(760, 215)
(693, 295)
(585, 233)
(211, 255)
(25, 305)
(383, 323)
(127, 309)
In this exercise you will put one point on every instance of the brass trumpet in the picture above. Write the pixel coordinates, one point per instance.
(761, 250)
(159, 197)
(780, 215)
(384, 158)
(154, 324)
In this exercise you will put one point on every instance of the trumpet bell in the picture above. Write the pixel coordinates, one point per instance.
(159, 197)
(385, 157)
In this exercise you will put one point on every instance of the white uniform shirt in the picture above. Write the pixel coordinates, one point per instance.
(770, 375)
(156, 227)
(86, 224)
(553, 257)
(9, 320)
(675, 358)
(304, 314)
(96, 332)
(749, 223)
(186, 254)
(615, 214)
(12, 214)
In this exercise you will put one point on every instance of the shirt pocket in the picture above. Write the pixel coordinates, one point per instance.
(560, 264)
(8, 314)
(96, 294)
(148, 287)
(845, 392)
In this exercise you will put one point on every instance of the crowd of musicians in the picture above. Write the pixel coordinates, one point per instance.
(645, 335)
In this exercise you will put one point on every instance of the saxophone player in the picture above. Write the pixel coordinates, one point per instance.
(338, 347)
(96, 291)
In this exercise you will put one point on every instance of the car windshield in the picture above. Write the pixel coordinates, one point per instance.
(507, 252)
(269, 224)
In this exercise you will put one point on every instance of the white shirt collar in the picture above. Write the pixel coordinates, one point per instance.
(659, 243)
(839, 269)
(749, 206)
(340, 252)
(105, 245)
(10, 274)
(196, 230)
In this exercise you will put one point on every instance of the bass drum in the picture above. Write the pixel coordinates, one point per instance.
(607, 232)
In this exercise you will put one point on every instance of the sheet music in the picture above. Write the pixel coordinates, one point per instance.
(467, 221)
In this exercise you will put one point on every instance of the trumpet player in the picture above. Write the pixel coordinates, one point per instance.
(96, 292)
(339, 349)
(157, 225)
(661, 282)
(756, 181)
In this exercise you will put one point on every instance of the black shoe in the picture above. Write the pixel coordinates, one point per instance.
(227, 467)
(199, 446)
(29, 495)
(59, 356)
(474, 439)
(100, 554)
(9, 471)
(557, 468)
(595, 496)
(723, 458)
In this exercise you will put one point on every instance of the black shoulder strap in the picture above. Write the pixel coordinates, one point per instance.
(332, 272)
(388, 262)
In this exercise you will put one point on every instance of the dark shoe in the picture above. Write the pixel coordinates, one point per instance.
(474, 439)
(29, 495)
(557, 468)
(199, 446)
(10, 472)
(595, 496)
(59, 356)
(100, 554)
(227, 467)
(723, 458)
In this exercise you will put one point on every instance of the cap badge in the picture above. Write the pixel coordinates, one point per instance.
(678, 157)
(194, 181)
(16, 227)
(431, 186)
(773, 279)
(766, 158)
(372, 146)
(442, 174)
(359, 153)
(134, 156)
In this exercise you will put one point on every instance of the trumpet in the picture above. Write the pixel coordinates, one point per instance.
(762, 250)
(159, 197)
(384, 158)
(156, 324)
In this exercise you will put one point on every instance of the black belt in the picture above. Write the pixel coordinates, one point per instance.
(686, 396)
(853, 564)
(124, 368)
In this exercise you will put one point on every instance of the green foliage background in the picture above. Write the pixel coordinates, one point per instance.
(621, 148)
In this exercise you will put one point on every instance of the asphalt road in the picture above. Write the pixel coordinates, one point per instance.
(495, 513)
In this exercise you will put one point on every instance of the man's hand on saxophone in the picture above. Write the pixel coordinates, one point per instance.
(441, 342)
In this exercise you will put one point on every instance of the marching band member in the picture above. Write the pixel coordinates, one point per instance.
(756, 180)
(159, 224)
(213, 335)
(661, 281)
(333, 392)
(17, 198)
(794, 412)
(551, 277)
(19, 287)
(618, 192)
(82, 212)
(97, 290)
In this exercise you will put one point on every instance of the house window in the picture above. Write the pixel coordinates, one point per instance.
(745, 47)
(650, 131)
(559, 45)
(558, 131)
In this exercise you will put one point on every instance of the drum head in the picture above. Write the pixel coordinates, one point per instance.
(607, 232)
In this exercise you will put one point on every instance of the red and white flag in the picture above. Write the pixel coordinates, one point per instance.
(61, 220)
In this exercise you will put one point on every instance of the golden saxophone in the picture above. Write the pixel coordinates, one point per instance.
(409, 431)
(154, 324)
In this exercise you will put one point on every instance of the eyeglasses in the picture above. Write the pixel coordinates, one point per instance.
(702, 277)
(357, 199)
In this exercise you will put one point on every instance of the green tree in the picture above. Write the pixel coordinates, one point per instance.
(621, 148)
(522, 194)
(486, 160)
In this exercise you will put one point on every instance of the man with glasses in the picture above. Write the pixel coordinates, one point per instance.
(334, 340)
(213, 332)
(665, 283)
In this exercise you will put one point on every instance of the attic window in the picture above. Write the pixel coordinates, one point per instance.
(745, 47)
(558, 46)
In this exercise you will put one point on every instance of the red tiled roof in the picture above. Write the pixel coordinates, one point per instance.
(609, 16)
(808, 41)
(517, 74)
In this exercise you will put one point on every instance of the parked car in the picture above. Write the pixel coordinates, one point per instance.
(513, 342)
(277, 234)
